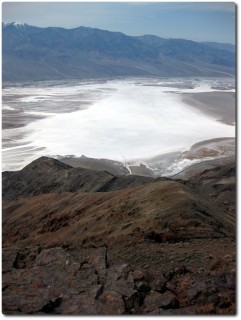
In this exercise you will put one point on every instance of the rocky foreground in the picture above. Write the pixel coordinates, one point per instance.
(79, 241)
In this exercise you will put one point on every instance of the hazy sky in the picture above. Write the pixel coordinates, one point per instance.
(200, 21)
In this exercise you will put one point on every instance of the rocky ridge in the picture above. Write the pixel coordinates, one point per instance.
(47, 175)
(77, 241)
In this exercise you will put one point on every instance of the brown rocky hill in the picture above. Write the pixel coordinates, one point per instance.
(77, 241)
(47, 175)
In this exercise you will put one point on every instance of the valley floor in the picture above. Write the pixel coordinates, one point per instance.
(136, 120)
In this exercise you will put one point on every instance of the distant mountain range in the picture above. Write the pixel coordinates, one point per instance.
(33, 53)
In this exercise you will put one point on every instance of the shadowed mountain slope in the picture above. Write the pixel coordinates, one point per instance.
(33, 53)
(47, 175)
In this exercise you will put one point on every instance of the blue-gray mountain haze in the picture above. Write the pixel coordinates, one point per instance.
(33, 53)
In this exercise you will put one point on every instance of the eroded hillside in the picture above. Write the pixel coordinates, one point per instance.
(75, 240)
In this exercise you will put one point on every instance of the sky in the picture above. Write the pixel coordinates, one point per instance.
(198, 21)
